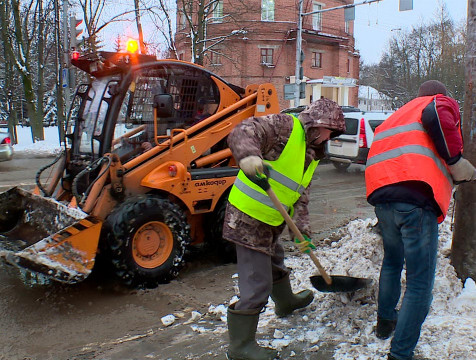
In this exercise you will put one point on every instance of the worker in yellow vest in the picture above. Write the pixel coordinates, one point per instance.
(414, 160)
(289, 149)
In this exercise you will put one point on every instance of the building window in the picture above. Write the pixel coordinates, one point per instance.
(185, 13)
(267, 10)
(215, 58)
(181, 56)
(347, 27)
(217, 14)
(316, 59)
(267, 56)
(182, 20)
(316, 18)
(348, 65)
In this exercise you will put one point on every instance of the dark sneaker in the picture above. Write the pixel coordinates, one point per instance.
(384, 328)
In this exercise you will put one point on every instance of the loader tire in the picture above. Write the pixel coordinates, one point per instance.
(147, 241)
(223, 249)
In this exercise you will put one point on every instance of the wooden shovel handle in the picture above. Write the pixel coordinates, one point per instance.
(298, 234)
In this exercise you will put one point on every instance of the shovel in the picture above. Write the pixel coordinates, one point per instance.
(323, 282)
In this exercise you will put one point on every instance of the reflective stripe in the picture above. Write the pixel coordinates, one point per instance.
(283, 180)
(410, 149)
(399, 130)
(256, 195)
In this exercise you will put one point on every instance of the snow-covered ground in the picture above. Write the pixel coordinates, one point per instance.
(25, 144)
(448, 333)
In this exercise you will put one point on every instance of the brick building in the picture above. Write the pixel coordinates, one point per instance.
(256, 43)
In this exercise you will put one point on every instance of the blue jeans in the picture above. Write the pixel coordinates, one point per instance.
(410, 236)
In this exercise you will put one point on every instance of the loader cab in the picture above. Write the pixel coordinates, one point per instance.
(115, 112)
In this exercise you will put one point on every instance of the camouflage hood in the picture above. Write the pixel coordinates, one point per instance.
(323, 113)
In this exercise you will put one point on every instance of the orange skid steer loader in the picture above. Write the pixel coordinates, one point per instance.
(145, 172)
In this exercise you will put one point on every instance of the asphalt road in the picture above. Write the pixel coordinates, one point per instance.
(21, 170)
(100, 319)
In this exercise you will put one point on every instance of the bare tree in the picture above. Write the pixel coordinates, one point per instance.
(428, 51)
(8, 109)
(95, 20)
(162, 14)
(18, 48)
(143, 49)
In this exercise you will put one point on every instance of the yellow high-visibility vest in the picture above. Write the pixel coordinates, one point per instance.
(287, 179)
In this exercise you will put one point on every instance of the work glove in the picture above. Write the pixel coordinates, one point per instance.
(251, 165)
(463, 170)
(306, 245)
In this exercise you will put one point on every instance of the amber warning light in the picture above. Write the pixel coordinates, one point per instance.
(132, 46)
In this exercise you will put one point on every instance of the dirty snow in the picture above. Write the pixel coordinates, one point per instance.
(349, 319)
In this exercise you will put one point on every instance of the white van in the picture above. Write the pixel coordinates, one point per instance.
(353, 146)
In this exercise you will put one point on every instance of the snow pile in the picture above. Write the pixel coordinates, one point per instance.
(349, 319)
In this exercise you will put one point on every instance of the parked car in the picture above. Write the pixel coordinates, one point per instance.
(353, 146)
(6, 148)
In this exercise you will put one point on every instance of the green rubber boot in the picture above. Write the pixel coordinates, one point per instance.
(285, 300)
(242, 326)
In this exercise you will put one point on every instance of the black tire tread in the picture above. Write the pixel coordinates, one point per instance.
(122, 224)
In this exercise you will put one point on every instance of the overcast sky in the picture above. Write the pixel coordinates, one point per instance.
(377, 22)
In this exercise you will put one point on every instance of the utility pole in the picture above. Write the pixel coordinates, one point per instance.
(60, 112)
(65, 67)
(463, 253)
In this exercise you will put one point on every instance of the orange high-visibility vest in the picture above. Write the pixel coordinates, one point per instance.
(403, 151)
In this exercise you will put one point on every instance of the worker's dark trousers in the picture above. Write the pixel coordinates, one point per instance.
(257, 272)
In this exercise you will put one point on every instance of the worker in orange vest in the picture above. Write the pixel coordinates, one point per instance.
(414, 160)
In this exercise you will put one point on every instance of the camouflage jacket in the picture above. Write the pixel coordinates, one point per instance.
(264, 136)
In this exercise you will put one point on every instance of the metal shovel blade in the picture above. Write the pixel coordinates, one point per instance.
(339, 283)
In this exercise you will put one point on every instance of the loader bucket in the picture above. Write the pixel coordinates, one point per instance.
(44, 236)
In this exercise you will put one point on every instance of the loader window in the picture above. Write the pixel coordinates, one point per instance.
(94, 115)
(193, 91)
(87, 117)
(134, 132)
(75, 110)
(194, 94)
